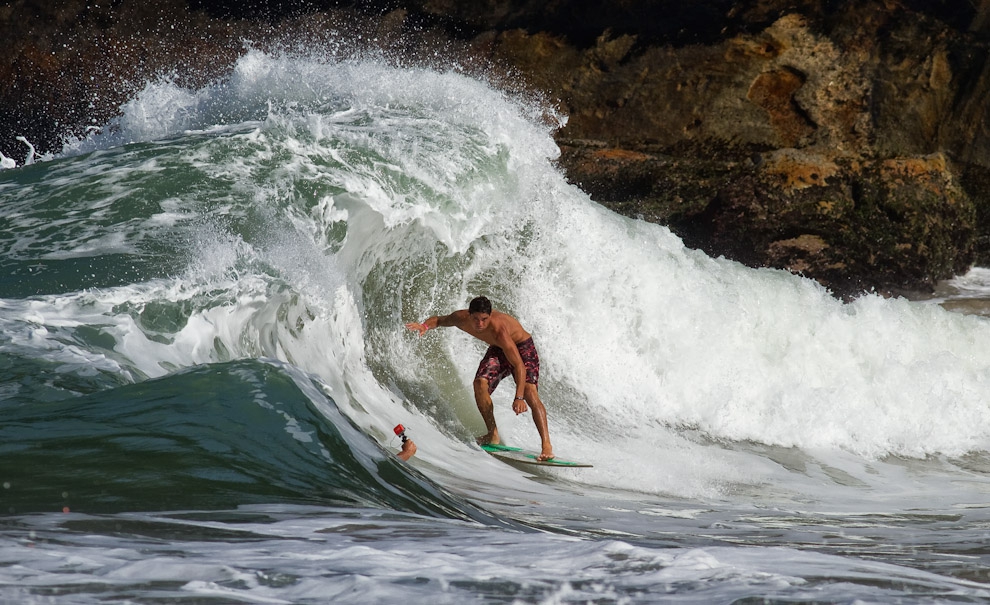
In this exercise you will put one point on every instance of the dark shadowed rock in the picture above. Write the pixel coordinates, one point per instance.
(845, 140)
(807, 145)
(854, 225)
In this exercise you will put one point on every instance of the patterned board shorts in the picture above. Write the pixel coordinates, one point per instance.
(494, 366)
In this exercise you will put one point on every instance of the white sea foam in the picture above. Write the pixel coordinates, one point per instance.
(303, 209)
(6, 163)
(297, 556)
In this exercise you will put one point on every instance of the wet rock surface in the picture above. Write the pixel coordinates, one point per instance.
(848, 141)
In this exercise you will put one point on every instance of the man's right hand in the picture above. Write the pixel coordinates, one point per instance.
(418, 327)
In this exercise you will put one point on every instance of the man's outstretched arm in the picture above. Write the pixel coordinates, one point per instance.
(433, 322)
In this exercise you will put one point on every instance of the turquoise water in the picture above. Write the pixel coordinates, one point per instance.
(203, 355)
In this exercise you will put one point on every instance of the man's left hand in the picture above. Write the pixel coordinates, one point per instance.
(519, 406)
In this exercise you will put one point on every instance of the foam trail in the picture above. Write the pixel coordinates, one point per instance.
(31, 153)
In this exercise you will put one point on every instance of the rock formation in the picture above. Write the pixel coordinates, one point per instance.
(845, 140)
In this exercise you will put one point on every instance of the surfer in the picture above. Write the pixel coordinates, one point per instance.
(510, 351)
(408, 450)
(408, 447)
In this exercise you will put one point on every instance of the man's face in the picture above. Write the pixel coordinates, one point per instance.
(480, 320)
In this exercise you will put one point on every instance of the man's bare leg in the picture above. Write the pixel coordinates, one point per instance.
(540, 418)
(487, 409)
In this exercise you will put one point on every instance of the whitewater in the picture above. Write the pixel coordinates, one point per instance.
(201, 334)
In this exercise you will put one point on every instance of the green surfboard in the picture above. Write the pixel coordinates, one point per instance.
(517, 454)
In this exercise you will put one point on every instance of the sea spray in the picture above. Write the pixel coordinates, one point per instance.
(304, 209)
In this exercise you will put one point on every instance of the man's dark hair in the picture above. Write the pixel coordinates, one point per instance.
(480, 305)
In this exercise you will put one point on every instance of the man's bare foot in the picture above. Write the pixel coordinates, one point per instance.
(545, 455)
(489, 439)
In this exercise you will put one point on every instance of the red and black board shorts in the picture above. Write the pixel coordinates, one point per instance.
(494, 366)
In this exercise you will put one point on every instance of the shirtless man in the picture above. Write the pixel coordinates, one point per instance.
(511, 351)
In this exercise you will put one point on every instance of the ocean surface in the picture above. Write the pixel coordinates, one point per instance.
(202, 356)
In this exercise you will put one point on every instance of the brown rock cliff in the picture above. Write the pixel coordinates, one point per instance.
(846, 140)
